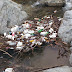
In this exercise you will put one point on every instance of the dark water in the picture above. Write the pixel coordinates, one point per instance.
(38, 11)
(42, 57)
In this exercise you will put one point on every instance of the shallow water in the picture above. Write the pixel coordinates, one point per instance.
(38, 11)
(42, 58)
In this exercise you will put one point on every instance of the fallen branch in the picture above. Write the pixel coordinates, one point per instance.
(6, 52)
(46, 68)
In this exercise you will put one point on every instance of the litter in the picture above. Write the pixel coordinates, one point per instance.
(53, 35)
(44, 33)
(4, 34)
(19, 44)
(11, 43)
(9, 70)
(14, 29)
(51, 30)
(33, 33)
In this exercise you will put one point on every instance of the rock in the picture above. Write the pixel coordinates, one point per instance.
(71, 49)
(68, 5)
(10, 14)
(71, 44)
(70, 59)
(53, 2)
(65, 30)
(59, 69)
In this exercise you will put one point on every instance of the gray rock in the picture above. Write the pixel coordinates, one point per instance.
(10, 14)
(71, 49)
(70, 59)
(53, 2)
(59, 69)
(65, 30)
(71, 44)
(68, 5)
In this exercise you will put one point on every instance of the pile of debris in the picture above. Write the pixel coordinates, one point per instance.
(32, 33)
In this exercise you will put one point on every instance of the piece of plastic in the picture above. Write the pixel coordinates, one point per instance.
(9, 70)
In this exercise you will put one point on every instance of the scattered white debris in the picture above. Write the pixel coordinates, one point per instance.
(35, 4)
(39, 28)
(43, 33)
(14, 29)
(11, 43)
(51, 30)
(48, 16)
(27, 35)
(19, 44)
(60, 19)
(53, 35)
(19, 48)
(4, 34)
(38, 43)
(9, 36)
(11, 48)
(32, 33)
(9, 70)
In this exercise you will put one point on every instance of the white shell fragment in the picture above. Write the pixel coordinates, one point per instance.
(9, 70)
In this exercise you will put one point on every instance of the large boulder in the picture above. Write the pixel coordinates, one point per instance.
(53, 2)
(10, 14)
(65, 30)
(59, 69)
(68, 5)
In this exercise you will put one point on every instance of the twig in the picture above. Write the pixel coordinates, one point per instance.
(6, 52)
(46, 68)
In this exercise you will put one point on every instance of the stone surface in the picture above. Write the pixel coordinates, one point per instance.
(65, 30)
(53, 2)
(68, 5)
(70, 59)
(71, 43)
(71, 49)
(10, 15)
(59, 69)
